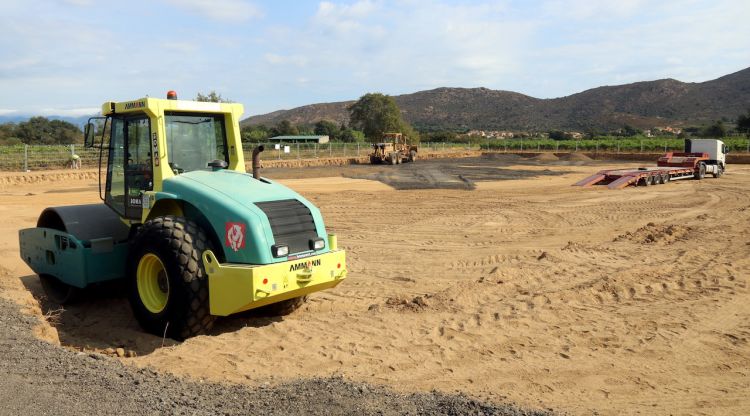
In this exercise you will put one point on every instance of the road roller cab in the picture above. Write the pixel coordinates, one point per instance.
(190, 231)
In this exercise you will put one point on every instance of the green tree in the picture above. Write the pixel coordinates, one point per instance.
(40, 130)
(285, 128)
(559, 135)
(375, 114)
(743, 123)
(630, 131)
(7, 130)
(328, 128)
(350, 135)
(717, 129)
(211, 97)
(440, 136)
(255, 133)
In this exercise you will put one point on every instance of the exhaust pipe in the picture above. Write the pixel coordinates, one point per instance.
(256, 161)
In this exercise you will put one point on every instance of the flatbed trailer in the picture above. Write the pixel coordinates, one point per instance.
(670, 167)
(620, 178)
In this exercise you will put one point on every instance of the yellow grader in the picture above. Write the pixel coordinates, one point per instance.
(393, 150)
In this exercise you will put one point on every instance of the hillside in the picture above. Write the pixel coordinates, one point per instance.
(641, 104)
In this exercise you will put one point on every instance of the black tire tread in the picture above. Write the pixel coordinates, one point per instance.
(188, 314)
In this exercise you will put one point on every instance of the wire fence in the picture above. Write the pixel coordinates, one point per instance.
(43, 157)
(46, 157)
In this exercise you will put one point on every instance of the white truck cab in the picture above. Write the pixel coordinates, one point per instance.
(716, 149)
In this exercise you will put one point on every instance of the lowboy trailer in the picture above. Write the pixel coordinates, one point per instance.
(701, 157)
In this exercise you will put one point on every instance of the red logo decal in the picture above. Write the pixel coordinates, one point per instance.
(235, 235)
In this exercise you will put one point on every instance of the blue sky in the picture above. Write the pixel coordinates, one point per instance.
(66, 57)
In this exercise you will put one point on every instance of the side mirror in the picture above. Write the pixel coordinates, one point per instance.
(88, 134)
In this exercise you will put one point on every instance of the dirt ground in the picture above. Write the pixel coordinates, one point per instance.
(487, 276)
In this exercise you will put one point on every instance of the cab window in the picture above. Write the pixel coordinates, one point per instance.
(194, 140)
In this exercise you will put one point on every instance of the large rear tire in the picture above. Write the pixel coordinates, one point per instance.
(168, 286)
(413, 156)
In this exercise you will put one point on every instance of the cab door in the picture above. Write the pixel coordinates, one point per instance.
(129, 167)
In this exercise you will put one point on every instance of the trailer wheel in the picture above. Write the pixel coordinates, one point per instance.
(700, 173)
(645, 181)
(168, 287)
(283, 308)
(413, 156)
(665, 178)
(58, 291)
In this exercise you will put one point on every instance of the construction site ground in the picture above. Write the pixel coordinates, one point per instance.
(490, 277)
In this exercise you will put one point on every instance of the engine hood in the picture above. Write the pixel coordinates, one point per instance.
(240, 187)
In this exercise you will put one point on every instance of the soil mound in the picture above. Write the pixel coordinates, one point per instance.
(576, 157)
(652, 234)
(545, 157)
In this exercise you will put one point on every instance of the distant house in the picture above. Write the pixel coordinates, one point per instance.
(300, 139)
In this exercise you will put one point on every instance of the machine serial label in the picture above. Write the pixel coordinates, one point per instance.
(304, 265)
(155, 151)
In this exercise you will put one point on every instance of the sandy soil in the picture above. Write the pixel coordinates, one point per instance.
(516, 286)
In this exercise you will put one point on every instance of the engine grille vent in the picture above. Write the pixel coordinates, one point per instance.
(291, 223)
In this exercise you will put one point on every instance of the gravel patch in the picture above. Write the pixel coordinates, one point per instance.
(38, 378)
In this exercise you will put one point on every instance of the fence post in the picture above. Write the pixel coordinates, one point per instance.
(298, 150)
(641, 145)
(344, 149)
(597, 148)
(557, 146)
(618, 146)
(748, 144)
(576, 145)
(521, 145)
(665, 146)
(25, 157)
(330, 149)
(357, 149)
(316, 150)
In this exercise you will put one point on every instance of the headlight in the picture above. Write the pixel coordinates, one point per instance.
(317, 244)
(280, 250)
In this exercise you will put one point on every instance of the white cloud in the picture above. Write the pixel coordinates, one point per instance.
(5, 111)
(402, 46)
(596, 9)
(233, 11)
(70, 112)
(79, 3)
(180, 47)
(276, 59)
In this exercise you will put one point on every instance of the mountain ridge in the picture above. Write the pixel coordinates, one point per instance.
(643, 104)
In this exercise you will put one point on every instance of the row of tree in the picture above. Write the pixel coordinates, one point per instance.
(40, 130)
